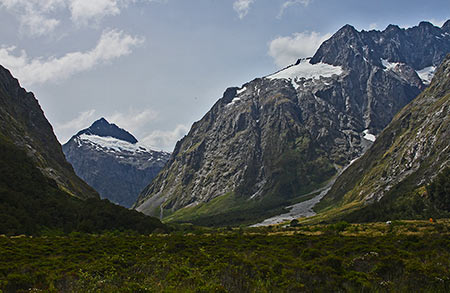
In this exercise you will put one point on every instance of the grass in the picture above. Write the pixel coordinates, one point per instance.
(404, 256)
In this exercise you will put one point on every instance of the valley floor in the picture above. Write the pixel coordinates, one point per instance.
(376, 257)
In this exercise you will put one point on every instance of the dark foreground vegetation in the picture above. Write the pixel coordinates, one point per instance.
(402, 257)
(32, 204)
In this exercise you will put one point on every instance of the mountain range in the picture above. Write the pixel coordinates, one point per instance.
(111, 160)
(278, 139)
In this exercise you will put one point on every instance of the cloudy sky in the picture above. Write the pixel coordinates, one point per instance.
(155, 66)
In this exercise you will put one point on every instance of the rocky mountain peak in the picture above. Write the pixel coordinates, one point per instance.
(446, 26)
(112, 161)
(277, 138)
(103, 128)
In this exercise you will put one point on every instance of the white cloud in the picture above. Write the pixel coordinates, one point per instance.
(133, 120)
(165, 140)
(286, 50)
(437, 22)
(65, 130)
(84, 10)
(37, 17)
(289, 3)
(373, 26)
(112, 44)
(242, 7)
(33, 15)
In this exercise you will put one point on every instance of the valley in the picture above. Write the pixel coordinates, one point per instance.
(326, 170)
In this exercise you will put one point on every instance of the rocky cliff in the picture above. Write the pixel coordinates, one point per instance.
(277, 138)
(407, 155)
(23, 123)
(112, 161)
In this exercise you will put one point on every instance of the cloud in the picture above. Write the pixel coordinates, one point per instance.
(33, 15)
(165, 140)
(242, 7)
(437, 22)
(37, 17)
(286, 50)
(111, 45)
(84, 10)
(133, 120)
(373, 26)
(289, 3)
(65, 130)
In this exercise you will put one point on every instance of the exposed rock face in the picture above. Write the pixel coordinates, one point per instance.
(281, 136)
(112, 161)
(415, 147)
(23, 122)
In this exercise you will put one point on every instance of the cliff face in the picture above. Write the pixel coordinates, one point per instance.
(409, 153)
(24, 124)
(112, 161)
(279, 137)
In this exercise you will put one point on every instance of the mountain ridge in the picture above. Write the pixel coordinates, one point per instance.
(273, 139)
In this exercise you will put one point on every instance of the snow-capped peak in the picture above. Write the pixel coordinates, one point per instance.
(111, 144)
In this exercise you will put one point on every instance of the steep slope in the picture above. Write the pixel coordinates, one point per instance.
(277, 138)
(39, 191)
(23, 123)
(408, 154)
(112, 161)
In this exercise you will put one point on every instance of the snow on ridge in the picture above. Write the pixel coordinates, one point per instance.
(307, 70)
(389, 65)
(368, 136)
(238, 92)
(113, 144)
(426, 74)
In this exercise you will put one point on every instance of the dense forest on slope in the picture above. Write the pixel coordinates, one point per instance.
(31, 203)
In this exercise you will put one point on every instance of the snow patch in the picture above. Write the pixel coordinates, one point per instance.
(389, 65)
(426, 74)
(368, 136)
(234, 101)
(307, 70)
(241, 90)
(112, 144)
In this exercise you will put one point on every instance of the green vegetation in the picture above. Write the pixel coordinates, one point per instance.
(32, 204)
(401, 257)
(430, 201)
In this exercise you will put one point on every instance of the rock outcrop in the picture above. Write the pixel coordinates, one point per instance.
(408, 154)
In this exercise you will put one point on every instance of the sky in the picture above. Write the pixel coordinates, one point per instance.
(154, 67)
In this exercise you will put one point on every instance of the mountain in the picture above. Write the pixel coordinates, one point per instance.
(39, 191)
(390, 180)
(112, 161)
(23, 123)
(275, 139)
